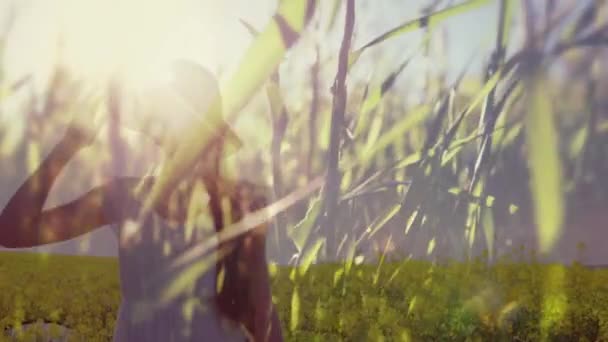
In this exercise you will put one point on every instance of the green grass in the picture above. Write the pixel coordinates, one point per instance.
(399, 301)
(78, 292)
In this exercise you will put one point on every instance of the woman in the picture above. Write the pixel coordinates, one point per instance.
(232, 301)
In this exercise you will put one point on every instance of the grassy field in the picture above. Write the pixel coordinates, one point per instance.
(404, 301)
(81, 293)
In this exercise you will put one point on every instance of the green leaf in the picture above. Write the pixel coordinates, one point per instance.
(578, 142)
(310, 256)
(473, 211)
(431, 247)
(300, 233)
(273, 90)
(410, 221)
(412, 25)
(409, 160)
(371, 102)
(338, 275)
(456, 146)
(383, 219)
(324, 135)
(481, 95)
(545, 165)
(512, 134)
(411, 120)
(373, 97)
(412, 305)
(185, 280)
(252, 30)
(295, 310)
(373, 134)
(487, 221)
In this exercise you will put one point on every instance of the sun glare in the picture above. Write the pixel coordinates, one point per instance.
(134, 38)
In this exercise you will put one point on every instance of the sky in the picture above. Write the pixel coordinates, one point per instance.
(100, 34)
(106, 34)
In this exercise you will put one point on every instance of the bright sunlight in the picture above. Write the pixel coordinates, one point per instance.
(97, 39)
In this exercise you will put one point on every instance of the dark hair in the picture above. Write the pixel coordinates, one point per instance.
(231, 301)
(232, 298)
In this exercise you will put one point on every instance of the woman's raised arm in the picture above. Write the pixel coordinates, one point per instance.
(24, 223)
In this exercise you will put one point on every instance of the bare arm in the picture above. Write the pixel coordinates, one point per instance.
(24, 223)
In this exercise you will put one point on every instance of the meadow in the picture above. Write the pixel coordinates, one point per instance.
(397, 301)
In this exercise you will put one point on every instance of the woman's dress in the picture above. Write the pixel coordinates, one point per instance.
(146, 252)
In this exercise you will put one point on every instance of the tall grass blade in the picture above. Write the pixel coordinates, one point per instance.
(294, 322)
(310, 256)
(301, 232)
(545, 165)
(414, 118)
(383, 219)
(418, 23)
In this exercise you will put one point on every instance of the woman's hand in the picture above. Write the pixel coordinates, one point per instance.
(86, 122)
(83, 129)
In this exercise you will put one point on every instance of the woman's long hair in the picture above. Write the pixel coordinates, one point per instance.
(199, 88)
(232, 298)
